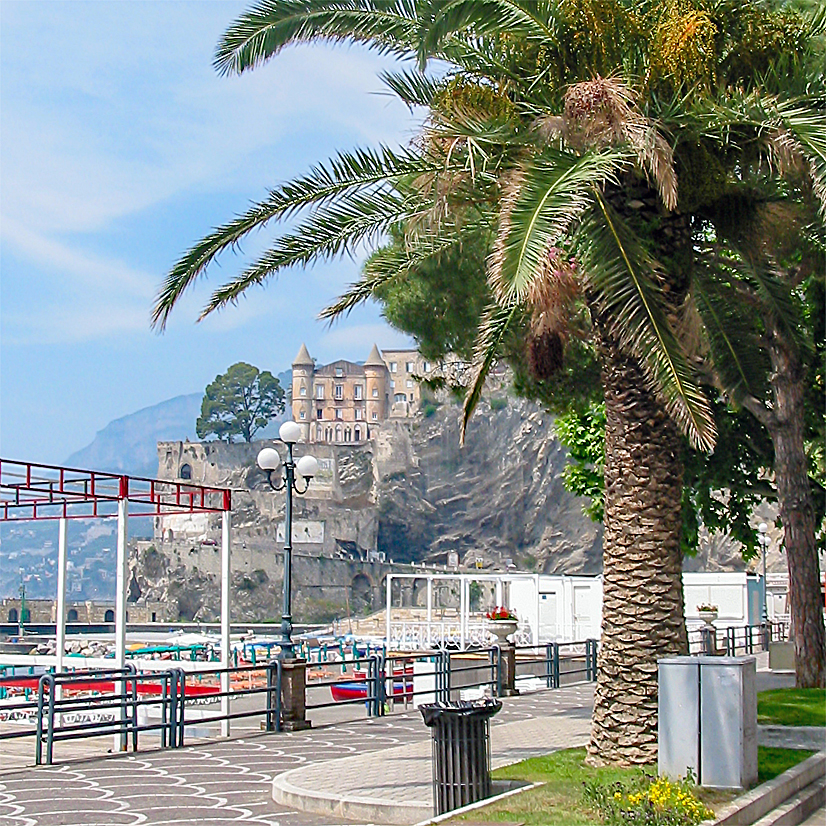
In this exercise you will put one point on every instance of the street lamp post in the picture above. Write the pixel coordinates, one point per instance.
(763, 539)
(307, 467)
(22, 619)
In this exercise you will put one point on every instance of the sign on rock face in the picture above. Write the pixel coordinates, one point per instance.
(305, 532)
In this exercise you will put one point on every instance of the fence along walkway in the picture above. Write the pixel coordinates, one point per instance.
(127, 706)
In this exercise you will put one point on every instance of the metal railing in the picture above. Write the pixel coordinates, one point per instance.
(745, 639)
(127, 704)
(556, 663)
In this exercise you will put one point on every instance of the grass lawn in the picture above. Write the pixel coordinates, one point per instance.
(560, 801)
(792, 707)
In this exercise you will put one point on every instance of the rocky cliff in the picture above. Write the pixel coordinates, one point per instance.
(410, 495)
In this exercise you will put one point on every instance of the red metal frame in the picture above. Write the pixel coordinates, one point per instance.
(31, 491)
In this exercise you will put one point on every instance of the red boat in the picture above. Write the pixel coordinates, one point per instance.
(356, 688)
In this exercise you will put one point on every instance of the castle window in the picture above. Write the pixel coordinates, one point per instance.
(375, 392)
(319, 434)
(409, 366)
(339, 372)
(109, 616)
(319, 391)
(411, 397)
(375, 416)
(359, 414)
(348, 436)
(302, 391)
(338, 433)
(425, 366)
(392, 384)
(339, 414)
(185, 472)
(319, 414)
(400, 397)
(393, 366)
(339, 391)
(409, 382)
(302, 415)
(358, 434)
(358, 392)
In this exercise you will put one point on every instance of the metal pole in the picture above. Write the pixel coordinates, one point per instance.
(389, 600)
(122, 580)
(763, 537)
(287, 651)
(60, 608)
(429, 611)
(22, 616)
(226, 536)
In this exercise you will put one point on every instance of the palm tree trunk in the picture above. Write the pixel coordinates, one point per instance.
(797, 513)
(642, 609)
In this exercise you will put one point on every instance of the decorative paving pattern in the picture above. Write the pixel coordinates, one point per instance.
(222, 782)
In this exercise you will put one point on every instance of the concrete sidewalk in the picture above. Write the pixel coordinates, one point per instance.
(395, 786)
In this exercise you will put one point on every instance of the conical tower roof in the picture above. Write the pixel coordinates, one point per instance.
(303, 358)
(374, 359)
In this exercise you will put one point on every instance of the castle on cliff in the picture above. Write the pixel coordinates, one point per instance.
(341, 402)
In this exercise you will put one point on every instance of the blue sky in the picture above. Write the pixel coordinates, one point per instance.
(119, 147)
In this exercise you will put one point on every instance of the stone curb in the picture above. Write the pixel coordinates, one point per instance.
(480, 803)
(751, 806)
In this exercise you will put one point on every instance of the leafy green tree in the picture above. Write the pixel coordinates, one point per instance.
(562, 129)
(239, 402)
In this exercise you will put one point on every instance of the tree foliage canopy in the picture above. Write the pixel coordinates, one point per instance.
(239, 402)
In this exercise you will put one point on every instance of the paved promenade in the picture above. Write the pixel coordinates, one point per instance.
(372, 770)
(232, 781)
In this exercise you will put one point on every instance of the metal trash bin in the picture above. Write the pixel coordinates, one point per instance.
(461, 751)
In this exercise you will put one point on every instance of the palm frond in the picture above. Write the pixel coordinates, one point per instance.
(260, 33)
(412, 87)
(332, 230)
(543, 201)
(442, 19)
(492, 331)
(623, 278)
(340, 178)
(386, 264)
(788, 127)
(729, 326)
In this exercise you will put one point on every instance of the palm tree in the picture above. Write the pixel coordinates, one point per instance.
(562, 128)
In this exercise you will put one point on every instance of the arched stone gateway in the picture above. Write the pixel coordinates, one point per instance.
(361, 594)
(13, 615)
(109, 616)
(71, 615)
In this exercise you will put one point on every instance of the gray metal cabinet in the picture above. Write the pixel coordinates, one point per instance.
(708, 720)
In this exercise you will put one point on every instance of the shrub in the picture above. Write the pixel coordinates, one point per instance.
(647, 801)
(498, 404)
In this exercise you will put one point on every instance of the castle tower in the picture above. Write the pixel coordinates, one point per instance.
(375, 371)
(302, 390)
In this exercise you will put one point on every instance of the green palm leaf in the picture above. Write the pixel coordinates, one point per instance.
(547, 197)
(340, 178)
(442, 20)
(332, 230)
(622, 276)
(270, 25)
(729, 325)
(388, 263)
(493, 328)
